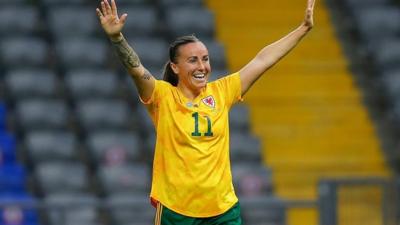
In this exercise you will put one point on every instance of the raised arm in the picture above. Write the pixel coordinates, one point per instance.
(272, 53)
(112, 24)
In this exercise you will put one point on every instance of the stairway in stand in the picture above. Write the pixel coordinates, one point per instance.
(307, 109)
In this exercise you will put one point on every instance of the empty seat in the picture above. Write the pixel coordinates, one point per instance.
(72, 208)
(18, 214)
(23, 83)
(103, 114)
(51, 146)
(142, 21)
(174, 3)
(52, 3)
(112, 147)
(7, 148)
(84, 83)
(245, 147)
(188, 20)
(82, 53)
(134, 2)
(266, 210)
(239, 118)
(152, 51)
(58, 177)
(130, 209)
(125, 178)
(12, 178)
(18, 20)
(73, 21)
(216, 53)
(42, 114)
(19, 52)
(386, 54)
(377, 23)
(251, 179)
(218, 73)
(391, 82)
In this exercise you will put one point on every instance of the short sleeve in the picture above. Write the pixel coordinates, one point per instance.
(231, 87)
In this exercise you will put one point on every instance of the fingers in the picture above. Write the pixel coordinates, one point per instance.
(114, 7)
(99, 13)
(122, 19)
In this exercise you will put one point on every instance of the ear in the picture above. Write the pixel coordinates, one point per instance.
(174, 67)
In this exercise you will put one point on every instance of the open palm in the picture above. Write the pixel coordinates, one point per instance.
(109, 19)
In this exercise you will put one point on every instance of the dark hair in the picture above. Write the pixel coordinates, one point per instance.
(169, 74)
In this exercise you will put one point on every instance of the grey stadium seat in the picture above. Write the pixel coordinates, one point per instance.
(51, 146)
(142, 21)
(82, 52)
(216, 53)
(97, 114)
(130, 209)
(91, 83)
(42, 114)
(391, 81)
(239, 118)
(265, 210)
(114, 147)
(73, 21)
(152, 51)
(387, 54)
(18, 20)
(60, 177)
(188, 20)
(33, 52)
(125, 178)
(72, 209)
(251, 179)
(244, 147)
(51, 3)
(174, 3)
(24, 83)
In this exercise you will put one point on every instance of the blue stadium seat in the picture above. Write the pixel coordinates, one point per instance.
(14, 214)
(12, 178)
(7, 148)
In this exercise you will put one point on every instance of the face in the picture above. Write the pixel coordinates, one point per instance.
(192, 66)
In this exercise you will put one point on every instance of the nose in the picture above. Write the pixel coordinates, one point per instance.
(201, 65)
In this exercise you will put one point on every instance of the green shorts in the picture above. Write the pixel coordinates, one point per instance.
(165, 216)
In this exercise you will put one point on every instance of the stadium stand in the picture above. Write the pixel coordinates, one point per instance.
(76, 113)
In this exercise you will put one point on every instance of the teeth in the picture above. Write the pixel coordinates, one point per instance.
(199, 75)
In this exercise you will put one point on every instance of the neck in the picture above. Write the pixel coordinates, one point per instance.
(188, 93)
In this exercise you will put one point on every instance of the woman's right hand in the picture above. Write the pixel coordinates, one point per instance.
(109, 19)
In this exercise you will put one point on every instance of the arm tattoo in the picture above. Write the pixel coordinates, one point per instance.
(146, 75)
(126, 54)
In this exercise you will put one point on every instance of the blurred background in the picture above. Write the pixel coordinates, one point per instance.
(316, 141)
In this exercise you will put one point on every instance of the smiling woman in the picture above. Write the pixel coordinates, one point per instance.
(192, 180)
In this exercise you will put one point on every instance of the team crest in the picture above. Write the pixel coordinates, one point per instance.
(209, 101)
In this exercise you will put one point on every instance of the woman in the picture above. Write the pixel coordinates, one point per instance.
(192, 181)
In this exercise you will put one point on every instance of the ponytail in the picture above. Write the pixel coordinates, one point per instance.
(169, 75)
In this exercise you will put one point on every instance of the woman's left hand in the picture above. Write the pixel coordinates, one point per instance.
(309, 17)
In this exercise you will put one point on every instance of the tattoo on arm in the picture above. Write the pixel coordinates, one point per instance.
(126, 54)
(146, 75)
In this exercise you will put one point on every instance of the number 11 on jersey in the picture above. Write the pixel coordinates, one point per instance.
(196, 132)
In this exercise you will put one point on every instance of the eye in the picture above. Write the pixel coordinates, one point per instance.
(206, 58)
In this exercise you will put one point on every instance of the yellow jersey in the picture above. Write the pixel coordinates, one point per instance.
(191, 167)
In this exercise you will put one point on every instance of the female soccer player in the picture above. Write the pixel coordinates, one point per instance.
(192, 181)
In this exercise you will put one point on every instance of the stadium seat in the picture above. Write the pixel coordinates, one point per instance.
(216, 53)
(130, 209)
(142, 21)
(33, 52)
(51, 146)
(125, 178)
(174, 3)
(52, 177)
(108, 148)
(245, 147)
(67, 21)
(12, 178)
(7, 148)
(265, 210)
(72, 208)
(96, 114)
(18, 215)
(251, 179)
(386, 54)
(92, 83)
(82, 53)
(152, 51)
(239, 118)
(186, 20)
(42, 114)
(24, 83)
(18, 20)
(52, 3)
